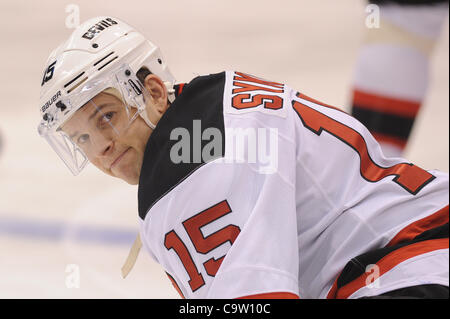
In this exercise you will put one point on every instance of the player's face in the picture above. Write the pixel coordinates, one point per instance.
(102, 129)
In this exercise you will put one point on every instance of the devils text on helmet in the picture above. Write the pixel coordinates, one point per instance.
(98, 27)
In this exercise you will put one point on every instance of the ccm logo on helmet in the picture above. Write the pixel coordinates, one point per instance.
(98, 27)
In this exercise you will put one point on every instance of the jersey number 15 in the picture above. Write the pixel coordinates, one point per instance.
(202, 244)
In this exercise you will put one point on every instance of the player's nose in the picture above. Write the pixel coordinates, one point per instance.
(103, 145)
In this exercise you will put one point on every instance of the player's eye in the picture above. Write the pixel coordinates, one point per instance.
(82, 139)
(107, 117)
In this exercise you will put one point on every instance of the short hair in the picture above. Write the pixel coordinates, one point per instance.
(142, 74)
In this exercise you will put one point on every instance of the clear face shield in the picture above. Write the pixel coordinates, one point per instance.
(83, 126)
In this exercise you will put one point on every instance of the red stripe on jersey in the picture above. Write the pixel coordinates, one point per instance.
(408, 233)
(382, 138)
(249, 78)
(384, 104)
(180, 88)
(272, 295)
(411, 231)
(310, 99)
(390, 261)
(332, 293)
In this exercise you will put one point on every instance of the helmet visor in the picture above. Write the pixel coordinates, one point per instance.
(97, 116)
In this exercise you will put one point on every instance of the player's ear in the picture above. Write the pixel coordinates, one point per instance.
(158, 92)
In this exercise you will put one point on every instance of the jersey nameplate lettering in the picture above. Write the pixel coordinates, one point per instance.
(249, 94)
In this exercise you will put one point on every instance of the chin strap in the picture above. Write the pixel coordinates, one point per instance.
(147, 120)
(170, 97)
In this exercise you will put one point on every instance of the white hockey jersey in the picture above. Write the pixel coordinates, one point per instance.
(249, 188)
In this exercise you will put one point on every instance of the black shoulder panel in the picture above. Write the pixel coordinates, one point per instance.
(201, 99)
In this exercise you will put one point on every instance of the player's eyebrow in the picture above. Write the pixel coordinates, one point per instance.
(99, 108)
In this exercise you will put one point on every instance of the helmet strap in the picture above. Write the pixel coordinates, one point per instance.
(170, 91)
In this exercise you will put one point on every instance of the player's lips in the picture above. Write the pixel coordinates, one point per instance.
(117, 160)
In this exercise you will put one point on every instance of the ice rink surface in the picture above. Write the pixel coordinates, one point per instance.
(54, 227)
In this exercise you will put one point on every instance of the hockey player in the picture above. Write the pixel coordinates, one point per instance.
(247, 188)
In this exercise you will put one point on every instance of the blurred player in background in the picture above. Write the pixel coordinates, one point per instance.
(392, 69)
(247, 188)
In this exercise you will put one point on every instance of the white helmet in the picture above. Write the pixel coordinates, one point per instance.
(102, 55)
